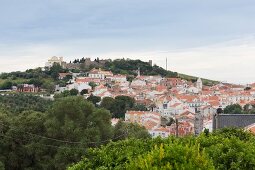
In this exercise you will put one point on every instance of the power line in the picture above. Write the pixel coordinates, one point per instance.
(53, 146)
(71, 142)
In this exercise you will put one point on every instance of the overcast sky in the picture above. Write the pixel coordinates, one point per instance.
(213, 39)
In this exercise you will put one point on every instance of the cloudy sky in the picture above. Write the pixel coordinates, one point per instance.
(213, 39)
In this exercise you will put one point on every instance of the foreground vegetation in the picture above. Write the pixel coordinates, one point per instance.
(225, 149)
(39, 134)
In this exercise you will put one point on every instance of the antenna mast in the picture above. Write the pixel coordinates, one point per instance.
(166, 63)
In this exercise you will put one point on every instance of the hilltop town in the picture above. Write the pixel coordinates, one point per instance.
(170, 105)
(51, 117)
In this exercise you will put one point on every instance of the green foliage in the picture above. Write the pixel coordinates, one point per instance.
(173, 156)
(84, 91)
(92, 85)
(20, 148)
(237, 109)
(140, 107)
(36, 81)
(124, 130)
(233, 132)
(74, 92)
(74, 119)
(6, 85)
(122, 66)
(113, 156)
(230, 149)
(55, 70)
(16, 103)
(1, 166)
(107, 103)
(224, 149)
(66, 93)
(247, 88)
(120, 105)
(48, 85)
(94, 99)
(39, 78)
(52, 139)
(233, 109)
(206, 82)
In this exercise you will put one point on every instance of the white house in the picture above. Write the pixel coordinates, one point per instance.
(100, 74)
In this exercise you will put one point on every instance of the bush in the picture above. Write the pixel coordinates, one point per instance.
(173, 156)
(224, 149)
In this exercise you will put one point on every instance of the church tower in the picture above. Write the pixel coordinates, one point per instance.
(138, 72)
(199, 84)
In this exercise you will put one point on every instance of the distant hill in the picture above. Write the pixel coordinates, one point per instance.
(130, 67)
(127, 66)
(47, 78)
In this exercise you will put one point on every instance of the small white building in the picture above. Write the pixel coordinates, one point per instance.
(54, 59)
(100, 74)
(199, 84)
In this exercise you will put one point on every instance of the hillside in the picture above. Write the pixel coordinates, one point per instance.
(46, 79)
(130, 67)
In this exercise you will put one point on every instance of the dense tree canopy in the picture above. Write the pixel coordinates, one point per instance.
(224, 149)
(29, 138)
(94, 99)
(16, 103)
(35, 134)
(122, 66)
(233, 109)
(124, 130)
(119, 105)
(237, 109)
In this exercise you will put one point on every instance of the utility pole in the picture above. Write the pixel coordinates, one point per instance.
(177, 127)
(166, 63)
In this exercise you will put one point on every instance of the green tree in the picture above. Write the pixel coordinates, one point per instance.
(107, 103)
(84, 91)
(94, 99)
(49, 86)
(92, 85)
(140, 107)
(36, 82)
(74, 92)
(55, 70)
(22, 149)
(121, 105)
(123, 130)
(224, 149)
(65, 93)
(6, 85)
(17, 103)
(233, 109)
(74, 119)
(174, 156)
